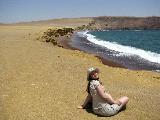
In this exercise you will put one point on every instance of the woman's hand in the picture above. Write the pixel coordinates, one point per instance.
(80, 107)
(117, 102)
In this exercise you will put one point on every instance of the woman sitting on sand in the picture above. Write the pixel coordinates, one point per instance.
(102, 102)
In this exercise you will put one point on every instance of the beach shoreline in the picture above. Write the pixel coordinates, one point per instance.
(81, 43)
(67, 44)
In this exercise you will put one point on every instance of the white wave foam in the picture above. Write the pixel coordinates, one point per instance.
(82, 34)
(124, 50)
(138, 30)
(157, 71)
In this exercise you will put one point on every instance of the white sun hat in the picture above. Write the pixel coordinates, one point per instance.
(91, 70)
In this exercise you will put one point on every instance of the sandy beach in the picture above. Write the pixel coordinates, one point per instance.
(40, 81)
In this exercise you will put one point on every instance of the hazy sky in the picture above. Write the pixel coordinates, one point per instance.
(31, 10)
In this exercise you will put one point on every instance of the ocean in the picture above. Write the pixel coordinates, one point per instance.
(133, 49)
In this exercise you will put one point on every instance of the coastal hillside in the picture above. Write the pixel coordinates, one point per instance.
(71, 22)
(125, 22)
(102, 22)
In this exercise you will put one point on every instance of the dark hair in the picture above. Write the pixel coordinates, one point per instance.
(89, 79)
(88, 88)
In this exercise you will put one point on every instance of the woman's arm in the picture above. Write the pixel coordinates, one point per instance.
(105, 96)
(87, 100)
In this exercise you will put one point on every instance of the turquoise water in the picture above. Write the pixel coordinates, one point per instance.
(133, 49)
(148, 40)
